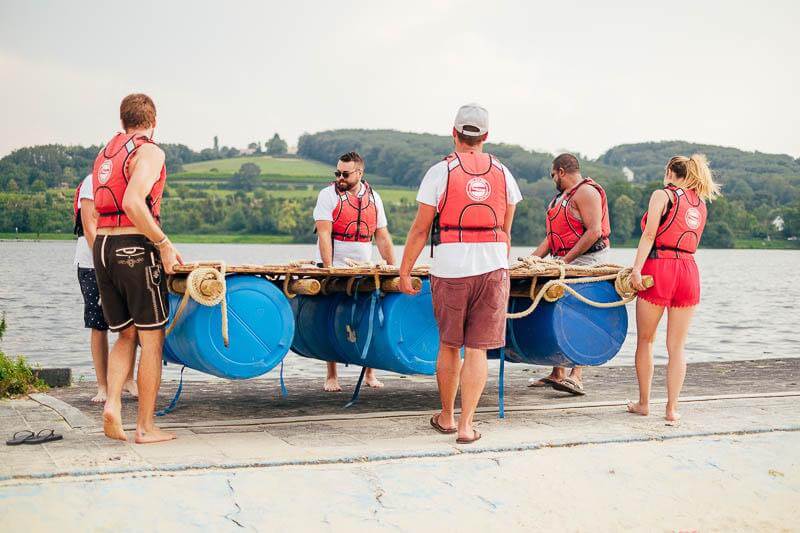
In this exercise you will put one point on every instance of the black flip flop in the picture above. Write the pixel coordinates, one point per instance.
(20, 437)
(475, 436)
(440, 428)
(45, 435)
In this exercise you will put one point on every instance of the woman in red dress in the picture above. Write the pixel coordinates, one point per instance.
(671, 232)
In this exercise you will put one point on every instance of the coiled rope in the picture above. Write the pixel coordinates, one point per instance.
(206, 286)
(622, 284)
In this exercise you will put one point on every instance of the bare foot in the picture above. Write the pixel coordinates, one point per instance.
(533, 382)
(672, 415)
(638, 409)
(372, 381)
(112, 423)
(101, 396)
(332, 385)
(152, 435)
(131, 388)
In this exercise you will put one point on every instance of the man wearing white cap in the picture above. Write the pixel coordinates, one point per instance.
(467, 203)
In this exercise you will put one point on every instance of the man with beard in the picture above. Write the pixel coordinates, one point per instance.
(578, 228)
(348, 214)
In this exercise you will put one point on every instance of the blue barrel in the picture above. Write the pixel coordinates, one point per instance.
(404, 336)
(313, 336)
(260, 329)
(567, 332)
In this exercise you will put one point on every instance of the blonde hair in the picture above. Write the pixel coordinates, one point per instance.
(696, 175)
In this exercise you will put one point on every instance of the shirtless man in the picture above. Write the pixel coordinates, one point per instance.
(131, 255)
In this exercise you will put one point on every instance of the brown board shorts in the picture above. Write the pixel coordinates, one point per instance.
(471, 311)
(133, 288)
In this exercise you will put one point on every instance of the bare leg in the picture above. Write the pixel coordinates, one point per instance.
(119, 365)
(678, 319)
(332, 380)
(448, 366)
(149, 381)
(473, 380)
(371, 380)
(130, 385)
(647, 318)
(99, 344)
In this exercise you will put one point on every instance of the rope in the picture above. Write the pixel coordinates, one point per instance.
(171, 407)
(621, 279)
(205, 293)
(286, 280)
(501, 403)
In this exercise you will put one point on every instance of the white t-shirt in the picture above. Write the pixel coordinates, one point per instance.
(461, 259)
(83, 254)
(327, 201)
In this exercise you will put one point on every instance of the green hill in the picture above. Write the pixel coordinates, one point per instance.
(282, 166)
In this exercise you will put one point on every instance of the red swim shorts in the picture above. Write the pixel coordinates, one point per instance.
(677, 282)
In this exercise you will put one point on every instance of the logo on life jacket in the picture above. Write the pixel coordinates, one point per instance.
(693, 218)
(478, 189)
(104, 173)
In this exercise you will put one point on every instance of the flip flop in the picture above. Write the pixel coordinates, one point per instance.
(569, 385)
(546, 381)
(45, 435)
(19, 437)
(475, 436)
(441, 429)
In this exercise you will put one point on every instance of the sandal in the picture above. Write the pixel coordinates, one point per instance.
(19, 437)
(45, 435)
(441, 429)
(569, 385)
(475, 436)
(546, 381)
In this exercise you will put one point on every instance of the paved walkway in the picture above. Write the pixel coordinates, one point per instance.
(732, 463)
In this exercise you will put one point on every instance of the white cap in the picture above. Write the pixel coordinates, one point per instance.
(472, 115)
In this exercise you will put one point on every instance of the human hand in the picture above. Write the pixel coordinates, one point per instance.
(170, 257)
(636, 280)
(406, 287)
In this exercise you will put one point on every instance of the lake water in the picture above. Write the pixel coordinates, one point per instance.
(749, 307)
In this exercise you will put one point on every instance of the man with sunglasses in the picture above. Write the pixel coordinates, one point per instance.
(578, 228)
(348, 214)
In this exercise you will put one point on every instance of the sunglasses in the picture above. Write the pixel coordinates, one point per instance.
(345, 174)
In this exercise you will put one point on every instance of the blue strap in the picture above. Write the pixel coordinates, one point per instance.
(501, 383)
(284, 392)
(171, 407)
(370, 325)
(354, 399)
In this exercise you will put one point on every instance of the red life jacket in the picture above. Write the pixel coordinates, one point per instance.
(681, 225)
(473, 206)
(564, 230)
(355, 218)
(76, 212)
(110, 179)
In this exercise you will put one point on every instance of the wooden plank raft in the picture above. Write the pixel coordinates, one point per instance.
(308, 279)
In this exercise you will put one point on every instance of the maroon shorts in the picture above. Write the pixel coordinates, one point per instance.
(471, 311)
(677, 282)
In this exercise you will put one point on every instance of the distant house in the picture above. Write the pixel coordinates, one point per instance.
(778, 223)
(247, 151)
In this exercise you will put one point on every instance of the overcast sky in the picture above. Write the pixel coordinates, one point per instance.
(582, 76)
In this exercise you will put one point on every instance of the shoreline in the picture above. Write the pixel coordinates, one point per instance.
(234, 238)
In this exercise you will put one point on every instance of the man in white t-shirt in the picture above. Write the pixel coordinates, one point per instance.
(468, 201)
(86, 230)
(348, 214)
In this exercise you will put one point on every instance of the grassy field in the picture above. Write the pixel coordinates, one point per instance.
(268, 165)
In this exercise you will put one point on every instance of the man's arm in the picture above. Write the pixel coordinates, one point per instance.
(145, 171)
(543, 249)
(417, 238)
(89, 221)
(590, 206)
(383, 240)
(325, 241)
